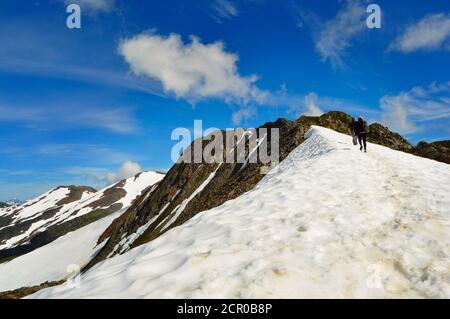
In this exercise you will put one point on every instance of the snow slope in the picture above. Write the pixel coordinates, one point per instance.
(330, 221)
(52, 262)
(88, 203)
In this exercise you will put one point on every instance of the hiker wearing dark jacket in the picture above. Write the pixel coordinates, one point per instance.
(361, 130)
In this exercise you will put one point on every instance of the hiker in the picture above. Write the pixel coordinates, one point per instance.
(351, 130)
(361, 130)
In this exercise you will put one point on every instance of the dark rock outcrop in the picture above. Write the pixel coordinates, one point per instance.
(334, 120)
(439, 151)
(381, 135)
(26, 291)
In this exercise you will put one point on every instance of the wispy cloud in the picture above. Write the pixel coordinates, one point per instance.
(82, 74)
(118, 120)
(223, 9)
(332, 38)
(312, 107)
(93, 5)
(46, 52)
(90, 154)
(414, 110)
(430, 33)
(21, 172)
(314, 104)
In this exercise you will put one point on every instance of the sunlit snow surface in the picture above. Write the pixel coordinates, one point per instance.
(331, 221)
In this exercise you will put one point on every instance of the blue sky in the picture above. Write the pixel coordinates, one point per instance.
(91, 105)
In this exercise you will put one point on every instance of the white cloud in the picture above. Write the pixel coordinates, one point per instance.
(409, 111)
(94, 5)
(333, 37)
(430, 33)
(127, 169)
(224, 9)
(312, 108)
(193, 71)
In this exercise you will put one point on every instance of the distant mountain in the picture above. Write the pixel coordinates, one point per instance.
(3, 205)
(14, 201)
(64, 209)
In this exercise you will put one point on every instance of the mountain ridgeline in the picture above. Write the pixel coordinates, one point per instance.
(191, 188)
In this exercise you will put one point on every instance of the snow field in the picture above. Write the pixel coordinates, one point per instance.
(329, 222)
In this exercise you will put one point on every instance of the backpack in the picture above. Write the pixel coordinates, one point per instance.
(366, 127)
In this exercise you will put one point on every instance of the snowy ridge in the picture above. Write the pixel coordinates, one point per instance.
(133, 187)
(37, 206)
(127, 191)
(330, 221)
(51, 262)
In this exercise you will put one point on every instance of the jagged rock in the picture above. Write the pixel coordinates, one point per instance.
(381, 135)
(334, 120)
(439, 151)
